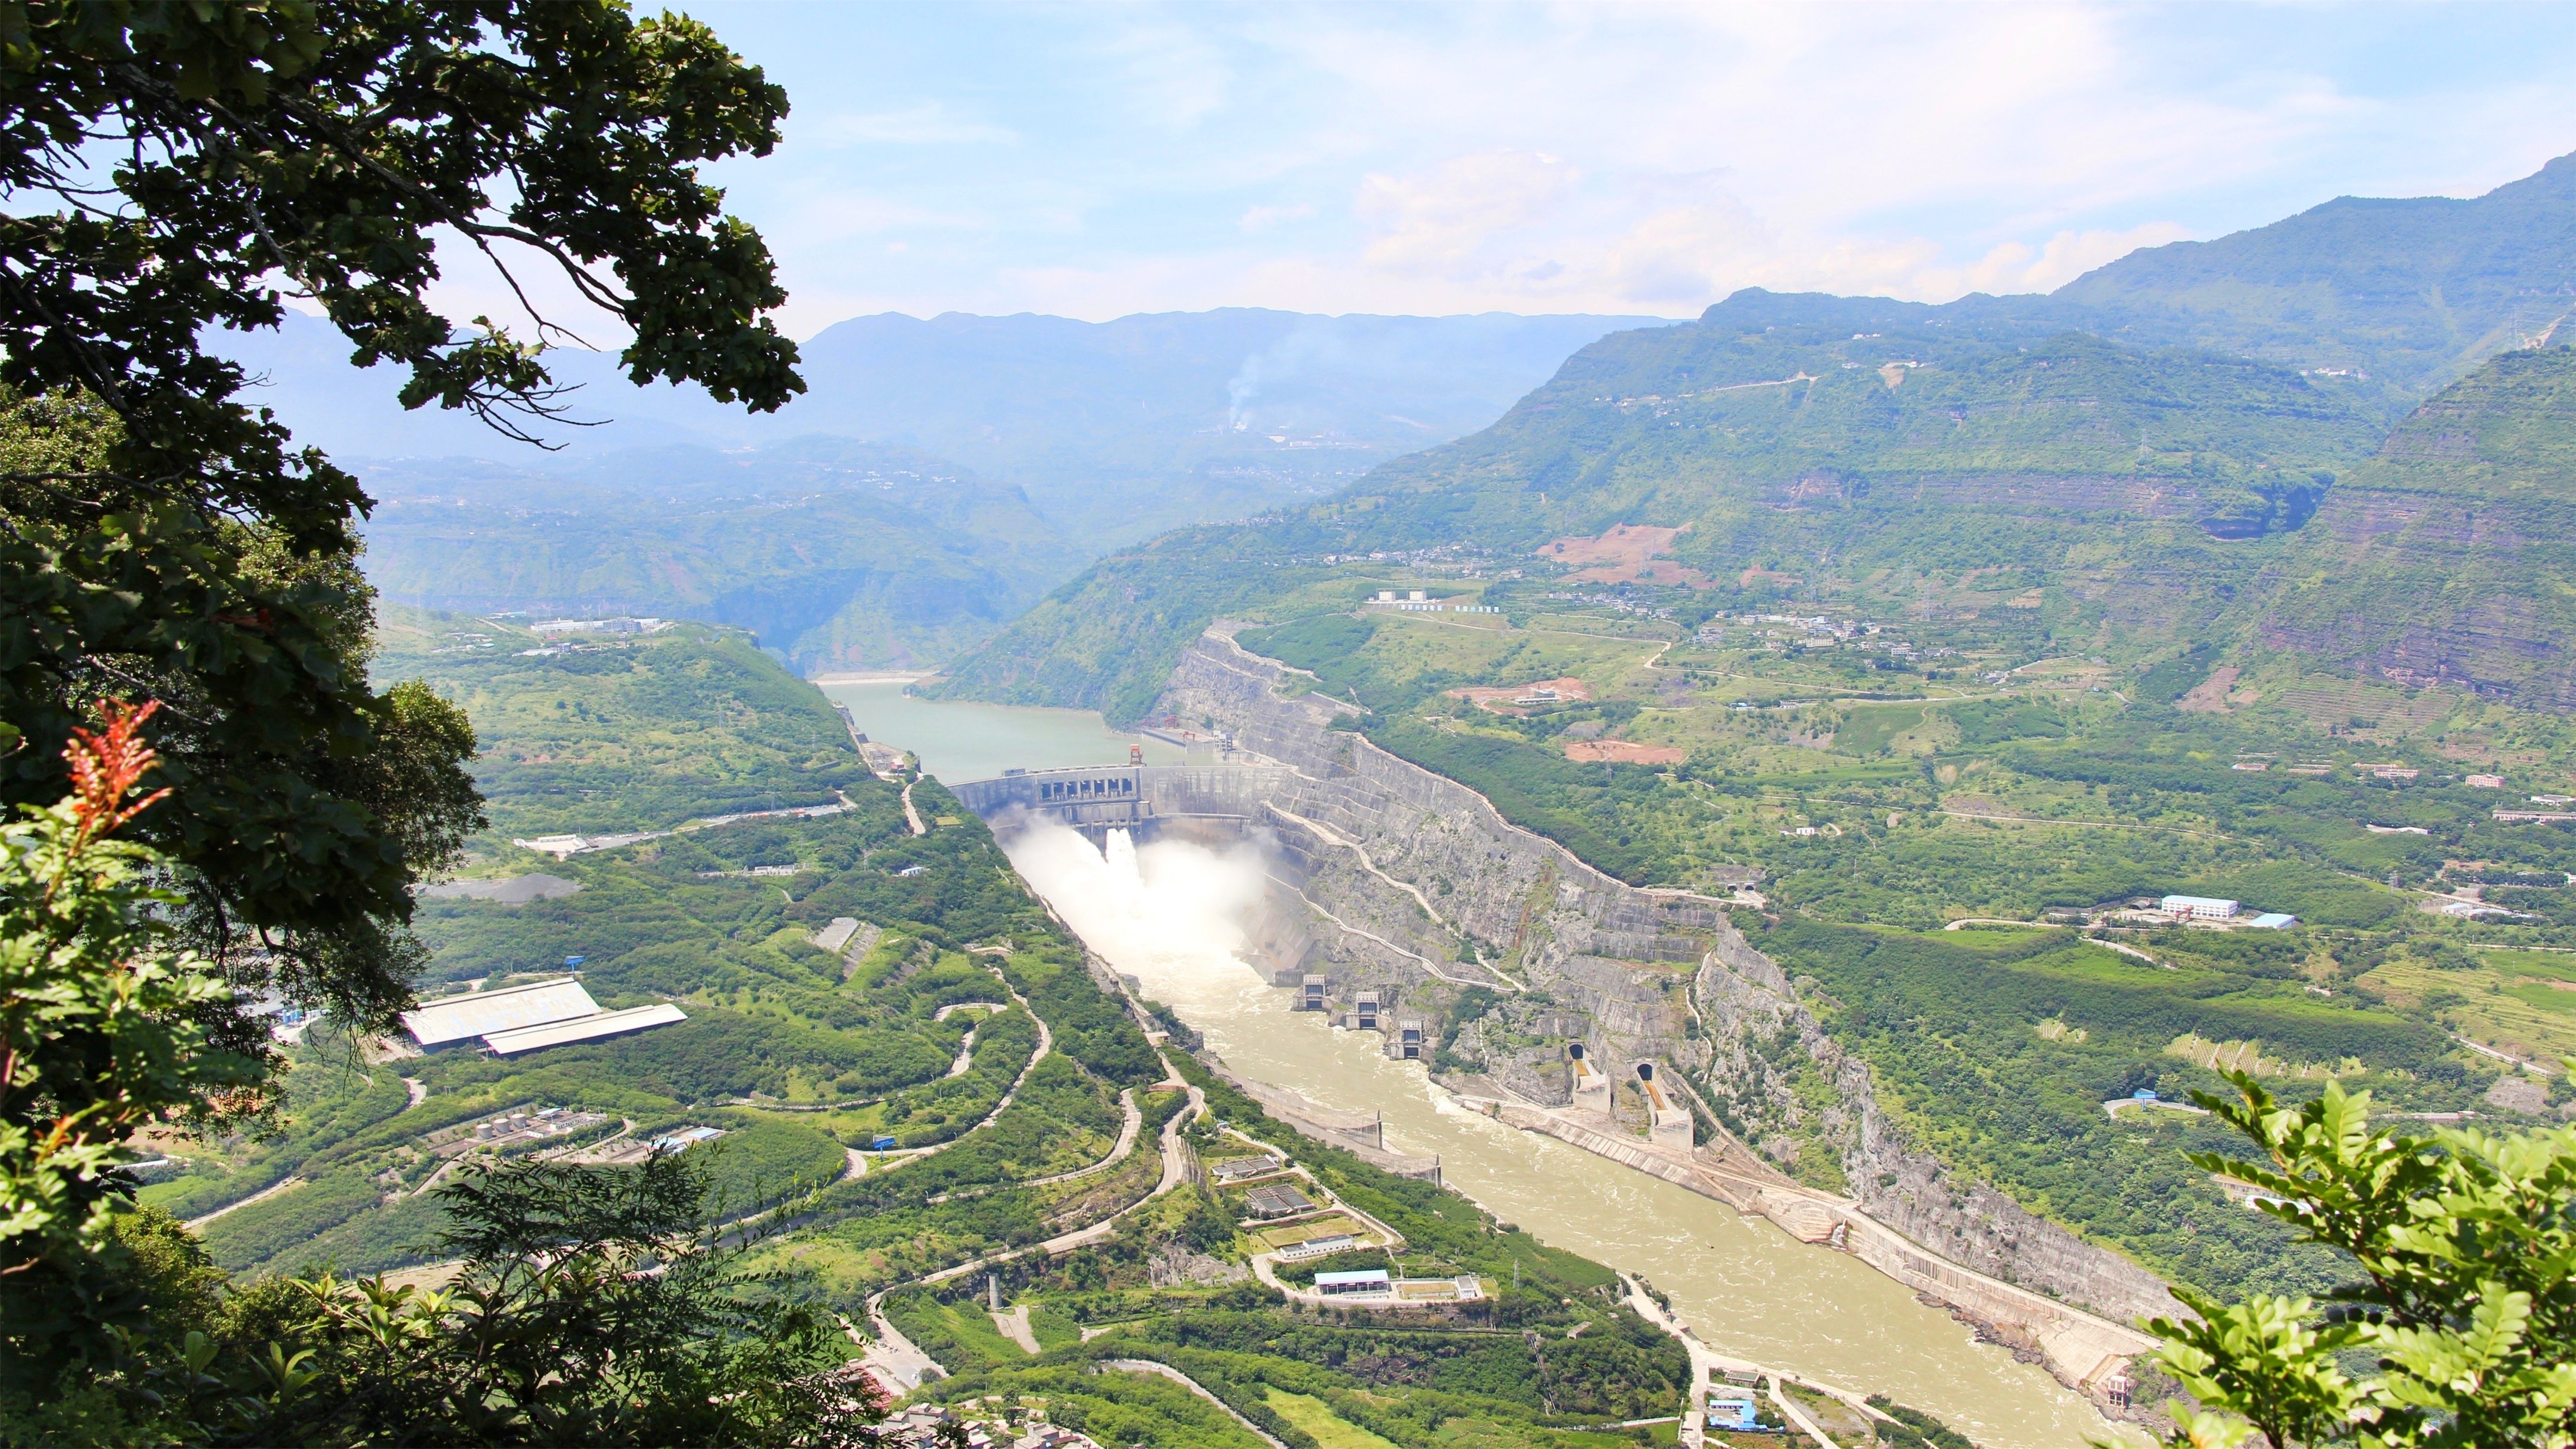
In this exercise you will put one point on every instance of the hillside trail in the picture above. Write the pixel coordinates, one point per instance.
(900, 1364)
(889, 1161)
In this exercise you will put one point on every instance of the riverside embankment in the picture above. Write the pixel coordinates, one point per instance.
(1749, 1290)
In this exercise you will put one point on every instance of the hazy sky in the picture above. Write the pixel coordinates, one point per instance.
(1098, 160)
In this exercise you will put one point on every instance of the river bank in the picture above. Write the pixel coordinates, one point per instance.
(1748, 1290)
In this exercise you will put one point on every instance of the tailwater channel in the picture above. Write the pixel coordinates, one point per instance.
(1166, 914)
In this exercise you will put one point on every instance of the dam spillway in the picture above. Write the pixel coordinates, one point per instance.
(1320, 855)
(1147, 801)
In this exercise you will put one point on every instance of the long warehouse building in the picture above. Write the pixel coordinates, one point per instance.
(527, 1018)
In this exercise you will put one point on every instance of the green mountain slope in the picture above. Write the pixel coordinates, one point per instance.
(615, 733)
(2414, 291)
(1919, 467)
(1794, 440)
(2450, 557)
(838, 554)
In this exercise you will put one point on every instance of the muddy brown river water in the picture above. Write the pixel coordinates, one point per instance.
(1166, 915)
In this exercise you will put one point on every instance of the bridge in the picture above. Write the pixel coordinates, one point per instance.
(1144, 800)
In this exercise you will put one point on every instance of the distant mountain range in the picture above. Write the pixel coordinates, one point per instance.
(2415, 292)
(837, 554)
(2186, 444)
(1116, 429)
(1051, 440)
(2151, 442)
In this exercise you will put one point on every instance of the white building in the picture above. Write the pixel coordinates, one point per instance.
(458, 1019)
(2198, 908)
(527, 1018)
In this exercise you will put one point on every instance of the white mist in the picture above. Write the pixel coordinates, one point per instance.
(1162, 912)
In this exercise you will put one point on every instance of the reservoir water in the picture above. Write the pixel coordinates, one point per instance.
(1165, 915)
(978, 741)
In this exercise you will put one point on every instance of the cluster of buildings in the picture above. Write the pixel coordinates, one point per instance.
(515, 1020)
(1617, 603)
(981, 1424)
(1377, 1285)
(519, 1128)
(552, 627)
(1419, 601)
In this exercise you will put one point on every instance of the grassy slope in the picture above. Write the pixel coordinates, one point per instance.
(624, 733)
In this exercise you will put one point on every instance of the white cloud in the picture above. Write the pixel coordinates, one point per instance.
(1447, 217)
(1263, 218)
(1628, 158)
(2017, 267)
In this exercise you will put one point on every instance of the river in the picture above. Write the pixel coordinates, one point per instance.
(1166, 915)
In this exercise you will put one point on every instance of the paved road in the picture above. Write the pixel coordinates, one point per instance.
(895, 1360)
(888, 1161)
(195, 1223)
(1164, 1370)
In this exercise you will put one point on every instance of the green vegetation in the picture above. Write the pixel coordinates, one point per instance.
(800, 1055)
(1504, 1370)
(2410, 292)
(838, 553)
(1924, 753)
(2438, 559)
(2455, 1328)
(601, 734)
(1999, 1058)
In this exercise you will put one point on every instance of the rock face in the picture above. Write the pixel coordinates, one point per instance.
(1420, 892)
(2436, 562)
(1752, 1008)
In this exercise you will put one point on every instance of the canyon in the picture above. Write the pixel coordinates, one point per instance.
(1608, 1006)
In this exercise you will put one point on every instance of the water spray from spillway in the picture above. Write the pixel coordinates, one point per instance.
(1170, 907)
(1171, 914)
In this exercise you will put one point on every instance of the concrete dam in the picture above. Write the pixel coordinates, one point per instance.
(1570, 1003)
(1200, 802)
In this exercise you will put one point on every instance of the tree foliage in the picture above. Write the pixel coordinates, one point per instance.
(175, 169)
(98, 1037)
(2466, 1305)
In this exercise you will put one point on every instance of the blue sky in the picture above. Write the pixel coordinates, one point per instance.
(1098, 160)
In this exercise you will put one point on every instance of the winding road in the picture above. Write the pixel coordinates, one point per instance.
(896, 1361)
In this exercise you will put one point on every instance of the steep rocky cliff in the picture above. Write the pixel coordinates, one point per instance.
(1420, 891)
(2439, 560)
